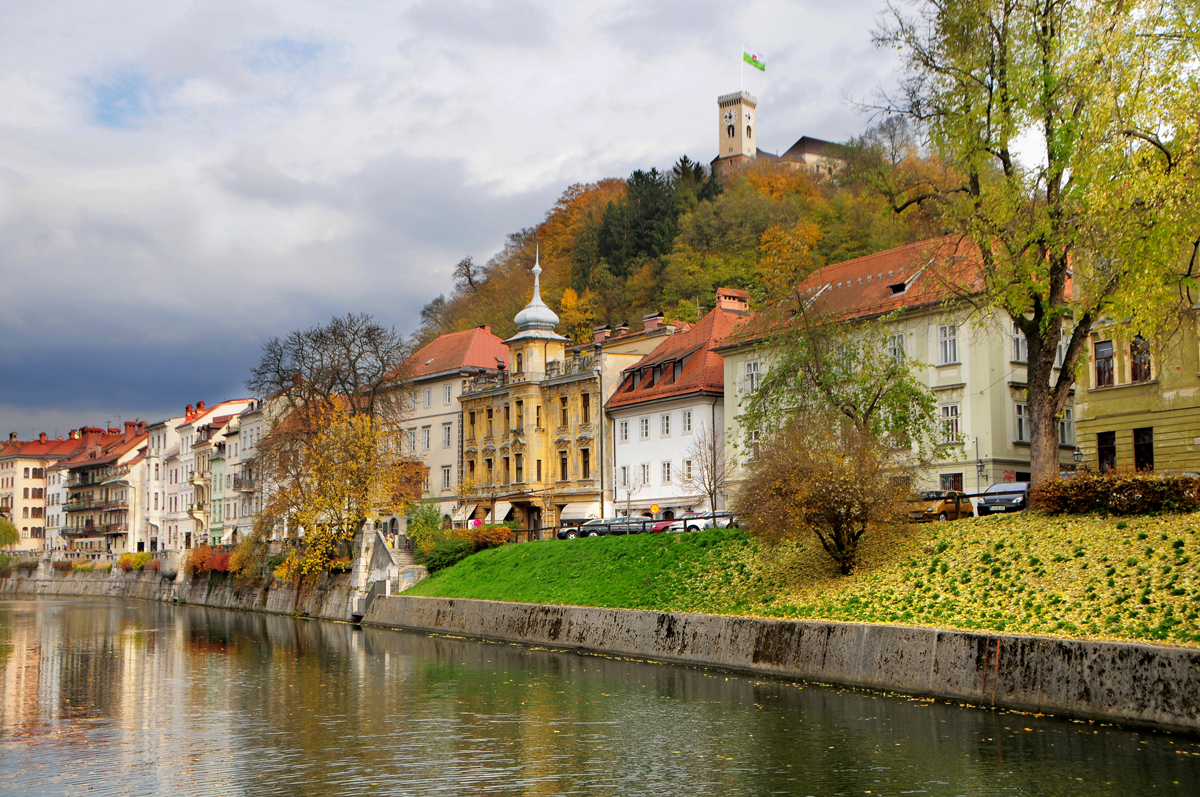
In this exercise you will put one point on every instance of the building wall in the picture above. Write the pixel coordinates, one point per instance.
(1168, 403)
(984, 384)
(25, 499)
(676, 446)
(434, 434)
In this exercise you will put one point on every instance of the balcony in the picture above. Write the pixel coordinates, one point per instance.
(83, 505)
(245, 484)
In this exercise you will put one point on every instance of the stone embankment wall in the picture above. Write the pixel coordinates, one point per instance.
(1115, 682)
(330, 600)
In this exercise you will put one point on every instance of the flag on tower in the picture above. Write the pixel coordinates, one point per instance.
(754, 58)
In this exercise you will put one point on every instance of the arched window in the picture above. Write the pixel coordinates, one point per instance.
(27, 473)
(1139, 360)
(748, 133)
(729, 131)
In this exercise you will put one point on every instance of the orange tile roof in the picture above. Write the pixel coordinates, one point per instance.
(916, 275)
(703, 369)
(471, 348)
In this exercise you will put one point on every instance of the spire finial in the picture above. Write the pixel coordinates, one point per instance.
(537, 270)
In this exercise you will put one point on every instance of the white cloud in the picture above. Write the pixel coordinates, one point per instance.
(177, 177)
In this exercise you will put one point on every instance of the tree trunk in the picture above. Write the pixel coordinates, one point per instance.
(1042, 410)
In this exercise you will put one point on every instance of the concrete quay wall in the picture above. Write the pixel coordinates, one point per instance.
(1134, 684)
(330, 600)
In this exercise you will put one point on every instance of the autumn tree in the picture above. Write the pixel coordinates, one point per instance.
(9, 536)
(1071, 140)
(708, 474)
(823, 475)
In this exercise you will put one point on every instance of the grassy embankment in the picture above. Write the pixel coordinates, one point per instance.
(1074, 576)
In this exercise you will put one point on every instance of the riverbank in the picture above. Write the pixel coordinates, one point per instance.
(332, 599)
(1076, 577)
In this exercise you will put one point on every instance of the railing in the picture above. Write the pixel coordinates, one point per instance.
(575, 365)
(245, 484)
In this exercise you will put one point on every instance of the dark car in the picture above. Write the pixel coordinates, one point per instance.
(1008, 497)
(602, 527)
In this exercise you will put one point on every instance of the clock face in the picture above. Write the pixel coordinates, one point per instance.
(730, 117)
(749, 116)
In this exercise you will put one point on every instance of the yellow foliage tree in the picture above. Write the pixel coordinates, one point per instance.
(776, 182)
(577, 315)
(786, 257)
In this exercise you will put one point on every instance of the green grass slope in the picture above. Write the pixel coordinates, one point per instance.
(1091, 577)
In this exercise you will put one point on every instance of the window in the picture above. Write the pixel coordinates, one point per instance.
(562, 465)
(755, 444)
(895, 347)
(519, 462)
(750, 382)
(27, 473)
(1060, 356)
(447, 433)
(425, 434)
(952, 481)
(471, 470)
(491, 470)
(623, 431)
(664, 425)
(428, 402)
(585, 463)
(1022, 423)
(39, 473)
(1106, 451)
(1139, 360)
(563, 407)
(412, 439)
(687, 469)
(520, 369)
(539, 470)
(537, 416)
(1104, 363)
(624, 475)
(489, 422)
(685, 421)
(1066, 428)
(1143, 449)
(644, 428)
(25, 493)
(471, 422)
(947, 344)
(521, 415)
(646, 473)
(1020, 346)
(507, 418)
(585, 408)
(666, 473)
(447, 394)
(950, 426)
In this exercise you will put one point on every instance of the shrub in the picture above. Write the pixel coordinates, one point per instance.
(198, 560)
(154, 564)
(483, 537)
(446, 550)
(341, 565)
(84, 567)
(219, 563)
(1119, 494)
(424, 522)
(105, 568)
(125, 562)
(63, 566)
(140, 560)
(27, 564)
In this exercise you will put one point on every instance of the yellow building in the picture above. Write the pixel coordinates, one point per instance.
(1139, 408)
(535, 442)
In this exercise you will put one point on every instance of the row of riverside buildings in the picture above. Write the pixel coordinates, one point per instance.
(536, 430)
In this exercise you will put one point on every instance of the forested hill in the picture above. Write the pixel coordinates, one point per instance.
(615, 250)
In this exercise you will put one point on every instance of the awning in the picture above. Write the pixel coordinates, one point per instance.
(463, 512)
(501, 512)
(585, 510)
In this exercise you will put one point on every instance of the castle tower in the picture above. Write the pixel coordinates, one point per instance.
(738, 127)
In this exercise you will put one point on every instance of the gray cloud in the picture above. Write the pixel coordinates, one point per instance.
(510, 24)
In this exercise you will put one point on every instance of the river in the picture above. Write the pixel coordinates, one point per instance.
(129, 697)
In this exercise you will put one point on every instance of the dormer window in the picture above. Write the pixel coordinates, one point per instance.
(898, 288)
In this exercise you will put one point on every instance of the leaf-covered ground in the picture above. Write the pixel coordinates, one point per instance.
(1075, 576)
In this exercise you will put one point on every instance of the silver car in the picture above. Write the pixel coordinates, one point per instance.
(698, 521)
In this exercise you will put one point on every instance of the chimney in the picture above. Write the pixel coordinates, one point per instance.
(199, 406)
(622, 328)
(733, 301)
(113, 430)
(42, 437)
(188, 411)
(601, 334)
(12, 437)
(651, 321)
(486, 328)
(130, 428)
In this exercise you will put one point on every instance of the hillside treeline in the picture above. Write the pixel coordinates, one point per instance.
(615, 250)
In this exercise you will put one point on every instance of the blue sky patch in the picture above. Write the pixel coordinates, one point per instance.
(281, 55)
(123, 100)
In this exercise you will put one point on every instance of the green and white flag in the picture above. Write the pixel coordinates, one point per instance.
(754, 58)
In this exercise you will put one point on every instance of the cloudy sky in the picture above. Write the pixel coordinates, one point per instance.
(179, 181)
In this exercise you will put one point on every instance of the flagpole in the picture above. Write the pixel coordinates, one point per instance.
(742, 68)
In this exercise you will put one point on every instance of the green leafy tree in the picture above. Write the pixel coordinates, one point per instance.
(641, 224)
(9, 536)
(1099, 217)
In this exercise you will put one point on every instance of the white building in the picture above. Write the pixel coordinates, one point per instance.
(162, 451)
(668, 419)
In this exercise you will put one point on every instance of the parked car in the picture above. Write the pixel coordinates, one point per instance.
(601, 527)
(661, 526)
(939, 505)
(697, 521)
(1008, 497)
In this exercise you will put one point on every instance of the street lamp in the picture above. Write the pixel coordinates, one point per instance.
(1077, 455)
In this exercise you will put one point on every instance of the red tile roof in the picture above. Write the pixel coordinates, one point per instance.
(703, 369)
(916, 275)
(471, 348)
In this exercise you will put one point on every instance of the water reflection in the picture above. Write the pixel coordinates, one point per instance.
(133, 697)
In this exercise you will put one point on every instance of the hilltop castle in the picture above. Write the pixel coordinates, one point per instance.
(737, 124)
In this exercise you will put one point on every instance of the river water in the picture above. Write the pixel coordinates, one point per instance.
(129, 697)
